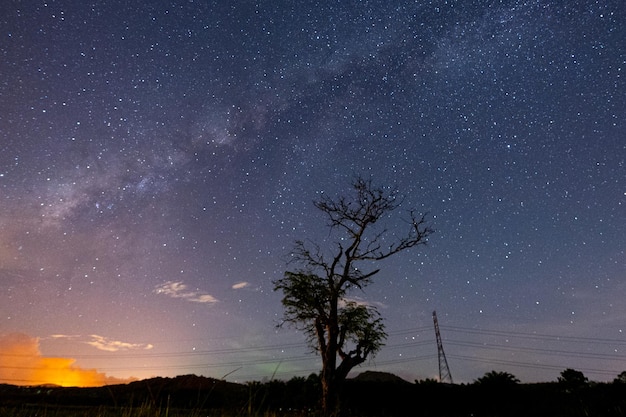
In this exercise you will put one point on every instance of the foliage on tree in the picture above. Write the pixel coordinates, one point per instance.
(621, 378)
(496, 378)
(296, 393)
(427, 381)
(572, 378)
(343, 331)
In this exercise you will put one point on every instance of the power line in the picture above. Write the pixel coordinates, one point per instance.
(253, 358)
(176, 354)
(556, 352)
(531, 365)
(538, 336)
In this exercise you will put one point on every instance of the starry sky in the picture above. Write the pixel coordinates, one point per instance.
(159, 158)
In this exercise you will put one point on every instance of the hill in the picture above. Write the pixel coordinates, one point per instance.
(375, 376)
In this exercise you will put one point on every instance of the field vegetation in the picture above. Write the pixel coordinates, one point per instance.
(372, 394)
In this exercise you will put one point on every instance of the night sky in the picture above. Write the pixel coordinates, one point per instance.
(159, 158)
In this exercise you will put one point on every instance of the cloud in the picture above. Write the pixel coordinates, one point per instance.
(21, 363)
(203, 298)
(64, 336)
(240, 285)
(361, 302)
(103, 343)
(177, 289)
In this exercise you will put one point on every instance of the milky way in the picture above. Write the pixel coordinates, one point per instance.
(158, 159)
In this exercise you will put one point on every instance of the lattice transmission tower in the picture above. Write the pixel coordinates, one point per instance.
(444, 369)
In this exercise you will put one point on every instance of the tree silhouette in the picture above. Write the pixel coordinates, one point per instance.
(495, 378)
(571, 378)
(315, 293)
(621, 378)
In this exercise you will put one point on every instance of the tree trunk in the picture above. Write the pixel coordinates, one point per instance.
(330, 393)
(330, 403)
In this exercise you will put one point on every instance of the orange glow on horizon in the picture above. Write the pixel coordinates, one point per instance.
(60, 371)
(21, 363)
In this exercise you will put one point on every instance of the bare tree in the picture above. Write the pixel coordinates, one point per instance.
(315, 294)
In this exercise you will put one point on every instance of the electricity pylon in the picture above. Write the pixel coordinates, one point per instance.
(444, 369)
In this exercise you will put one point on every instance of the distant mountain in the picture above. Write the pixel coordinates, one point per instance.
(375, 376)
(182, 382)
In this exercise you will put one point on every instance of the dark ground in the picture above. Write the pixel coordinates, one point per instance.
(371, 394)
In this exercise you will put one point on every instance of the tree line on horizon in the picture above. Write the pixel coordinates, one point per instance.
(371, 394)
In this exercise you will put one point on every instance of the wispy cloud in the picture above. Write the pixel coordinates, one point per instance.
(102, 342)
(64, 336)
(106, 344)
(240, 285)
(177, 289)
(361, 302)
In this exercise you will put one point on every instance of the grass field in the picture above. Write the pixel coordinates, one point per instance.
(146, 410)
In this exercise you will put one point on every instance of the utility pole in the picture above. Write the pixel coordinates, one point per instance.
(444, 369)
